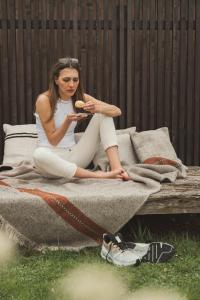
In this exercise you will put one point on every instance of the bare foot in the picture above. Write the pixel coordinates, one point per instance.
(109, 175)
(123, 174)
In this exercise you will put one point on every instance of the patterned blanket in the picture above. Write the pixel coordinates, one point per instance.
(55, 213)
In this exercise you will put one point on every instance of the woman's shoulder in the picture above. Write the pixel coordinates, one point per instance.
(43, 98)
(42, 101)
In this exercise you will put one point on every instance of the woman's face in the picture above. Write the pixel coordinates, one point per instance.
(67, 82)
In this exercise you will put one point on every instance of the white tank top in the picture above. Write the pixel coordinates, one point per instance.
(63, 108)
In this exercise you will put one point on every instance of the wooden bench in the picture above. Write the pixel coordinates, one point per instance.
(180, 197)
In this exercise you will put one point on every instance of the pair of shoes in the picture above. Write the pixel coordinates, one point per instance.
(155, 252)
(122, 253)
(117, 253)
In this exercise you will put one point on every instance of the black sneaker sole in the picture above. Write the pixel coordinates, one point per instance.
(158, 253)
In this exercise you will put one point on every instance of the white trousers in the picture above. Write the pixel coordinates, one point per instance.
(61, 162)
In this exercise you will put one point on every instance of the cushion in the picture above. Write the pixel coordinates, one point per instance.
(154, 147)
(126, 152)
(20, 143)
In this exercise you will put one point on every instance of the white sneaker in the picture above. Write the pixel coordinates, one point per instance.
(114, 252)
(155, 252)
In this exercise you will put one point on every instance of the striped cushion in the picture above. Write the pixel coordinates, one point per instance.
(20, 142)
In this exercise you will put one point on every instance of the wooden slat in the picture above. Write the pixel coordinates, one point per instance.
(152, 65)
(180, 197)
(59, 39)
(175, 71)
(28, 62)
(21, 101)
(137, 70)
(122, 74)
(114, 58)
(160, 64)
(182, 80)
(106, 52)
(51, 35)
(168, 65)
(144, 113)
(43, 46)
(12, 78)
(91, 55)
(83, 41)
(129, 63)
(5, 104)
(196, 147)
(36, 68)
(190, 84)
(74, 31)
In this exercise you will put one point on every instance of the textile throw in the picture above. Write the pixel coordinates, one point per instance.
(56, 213)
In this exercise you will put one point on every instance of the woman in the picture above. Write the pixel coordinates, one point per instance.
(57, 154)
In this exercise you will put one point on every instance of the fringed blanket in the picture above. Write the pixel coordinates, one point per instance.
(55, 213)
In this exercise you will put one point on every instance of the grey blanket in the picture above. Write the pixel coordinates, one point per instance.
(55, 213)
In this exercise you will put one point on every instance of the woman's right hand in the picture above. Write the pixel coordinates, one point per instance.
(76, 117)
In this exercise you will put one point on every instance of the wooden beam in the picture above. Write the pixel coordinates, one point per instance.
(180, 197)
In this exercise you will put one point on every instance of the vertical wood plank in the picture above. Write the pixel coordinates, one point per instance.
(152, 65)
(91, 55)
(44, 68)
(36, 69)
(83, 41)
(138, 64)
(12, 100)
(114, 58)
(190, 85)
(4, 113)
(160, 65)
(168, 64)
(182, 80)
(145, 67)
(129, 63)
(122, 70)
(196, 160)
(175, 73)
(20, 76)
(27, 62)
(5, 104)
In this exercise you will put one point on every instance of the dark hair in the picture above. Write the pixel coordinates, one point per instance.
(53, 93)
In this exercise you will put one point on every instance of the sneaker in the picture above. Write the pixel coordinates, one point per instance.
(155, 252)
(115, 252)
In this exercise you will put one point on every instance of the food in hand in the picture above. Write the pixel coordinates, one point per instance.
(79, 104)
(82, 115)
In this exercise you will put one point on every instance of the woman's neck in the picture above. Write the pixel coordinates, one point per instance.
(64, 97)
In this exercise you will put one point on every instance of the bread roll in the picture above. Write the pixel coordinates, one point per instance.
(79, 104)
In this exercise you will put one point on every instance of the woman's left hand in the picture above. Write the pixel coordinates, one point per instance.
(92, 107)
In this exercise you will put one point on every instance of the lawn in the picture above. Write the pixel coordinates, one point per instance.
(35, 276)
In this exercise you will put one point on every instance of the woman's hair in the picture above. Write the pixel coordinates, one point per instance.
(53, 93)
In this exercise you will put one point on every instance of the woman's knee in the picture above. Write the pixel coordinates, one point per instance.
(40, 155)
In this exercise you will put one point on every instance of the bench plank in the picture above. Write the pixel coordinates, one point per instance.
(183, 196)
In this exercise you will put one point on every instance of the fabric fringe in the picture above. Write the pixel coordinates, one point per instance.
(14, 235)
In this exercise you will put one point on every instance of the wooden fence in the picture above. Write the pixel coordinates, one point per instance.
(142, 55)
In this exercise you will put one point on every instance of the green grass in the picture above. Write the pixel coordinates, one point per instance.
(34, 276)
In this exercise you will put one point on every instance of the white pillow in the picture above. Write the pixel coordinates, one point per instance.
(20, 143)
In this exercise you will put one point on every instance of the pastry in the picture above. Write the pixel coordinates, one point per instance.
(79, 104)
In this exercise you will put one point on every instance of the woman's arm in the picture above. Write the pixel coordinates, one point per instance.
(96, 106)
(43, 109)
